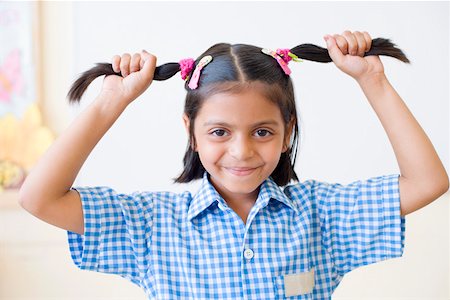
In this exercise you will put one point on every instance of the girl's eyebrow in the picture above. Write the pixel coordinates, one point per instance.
(225, 124)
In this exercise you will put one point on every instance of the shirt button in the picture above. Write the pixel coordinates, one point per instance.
(248, 253)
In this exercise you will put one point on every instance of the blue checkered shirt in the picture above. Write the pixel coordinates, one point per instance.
(298, 241)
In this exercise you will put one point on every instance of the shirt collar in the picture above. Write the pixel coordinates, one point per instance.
(203, 199)
(271, 191)
(207, 195)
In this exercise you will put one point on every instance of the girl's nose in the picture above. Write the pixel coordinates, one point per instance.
(241, 148)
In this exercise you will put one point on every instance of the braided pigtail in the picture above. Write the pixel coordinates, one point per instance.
(78, 88)
(380, 46)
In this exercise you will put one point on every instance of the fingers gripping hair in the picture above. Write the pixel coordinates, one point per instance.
(78, 88)
(380, 46)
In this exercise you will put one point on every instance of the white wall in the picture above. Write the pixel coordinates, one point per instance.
(341, 138)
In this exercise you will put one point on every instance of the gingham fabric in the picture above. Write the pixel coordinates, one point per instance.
(179, 246)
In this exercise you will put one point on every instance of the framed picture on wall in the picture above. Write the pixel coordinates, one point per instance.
(23, 138)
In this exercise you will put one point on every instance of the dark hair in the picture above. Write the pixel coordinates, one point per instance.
(233, 69)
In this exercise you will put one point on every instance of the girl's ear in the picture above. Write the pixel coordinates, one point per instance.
(187, 126)
(187, 123)
(287, 136)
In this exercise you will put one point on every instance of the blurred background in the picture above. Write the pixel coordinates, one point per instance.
(44, 46)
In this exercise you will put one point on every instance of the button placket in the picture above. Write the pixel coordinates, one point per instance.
(248, 252)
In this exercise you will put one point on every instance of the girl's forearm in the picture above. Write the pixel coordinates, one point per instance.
(423, 177)
(54, 174)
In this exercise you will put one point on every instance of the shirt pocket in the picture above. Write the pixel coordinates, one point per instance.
(295, 286)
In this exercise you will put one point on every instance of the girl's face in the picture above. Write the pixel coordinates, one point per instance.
(239, 138)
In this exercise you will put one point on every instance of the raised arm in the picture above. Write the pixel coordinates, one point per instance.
(422, 176)
(46, 192)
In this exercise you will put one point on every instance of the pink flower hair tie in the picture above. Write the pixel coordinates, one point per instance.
(283, 57)
(186, 67)
(284, 53)
(283, 64)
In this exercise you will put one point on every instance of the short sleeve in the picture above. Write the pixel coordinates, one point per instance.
(117, 233)
(361, 222)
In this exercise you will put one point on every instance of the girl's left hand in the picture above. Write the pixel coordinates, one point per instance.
(347, 52)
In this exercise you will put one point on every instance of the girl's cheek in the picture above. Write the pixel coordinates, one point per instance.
(212, 149)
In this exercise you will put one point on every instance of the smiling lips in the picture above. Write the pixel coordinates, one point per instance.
(241, 171)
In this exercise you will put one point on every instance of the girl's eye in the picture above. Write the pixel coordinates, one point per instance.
(262, 133)
(219, 132)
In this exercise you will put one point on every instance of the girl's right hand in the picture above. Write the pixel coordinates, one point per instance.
(137, 75)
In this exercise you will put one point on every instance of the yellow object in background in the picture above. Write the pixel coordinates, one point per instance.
(11, 175)
(22, 142)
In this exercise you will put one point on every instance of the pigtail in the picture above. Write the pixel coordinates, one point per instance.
(380, 46)
(78, 88)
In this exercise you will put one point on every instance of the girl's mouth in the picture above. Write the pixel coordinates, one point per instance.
(241, 171)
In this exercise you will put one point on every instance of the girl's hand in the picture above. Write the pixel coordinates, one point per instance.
(347, 52)
(137, 75)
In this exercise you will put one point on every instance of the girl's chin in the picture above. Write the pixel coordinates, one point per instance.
(237, 186)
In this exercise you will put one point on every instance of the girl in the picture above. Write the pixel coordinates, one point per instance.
(241, 235)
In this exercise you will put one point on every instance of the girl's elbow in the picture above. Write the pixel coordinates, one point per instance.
(439, 185)
(445, 183)
(29, 200)
(25, 199)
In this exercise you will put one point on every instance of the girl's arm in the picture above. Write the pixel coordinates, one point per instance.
(422, 176)
(46, 192)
